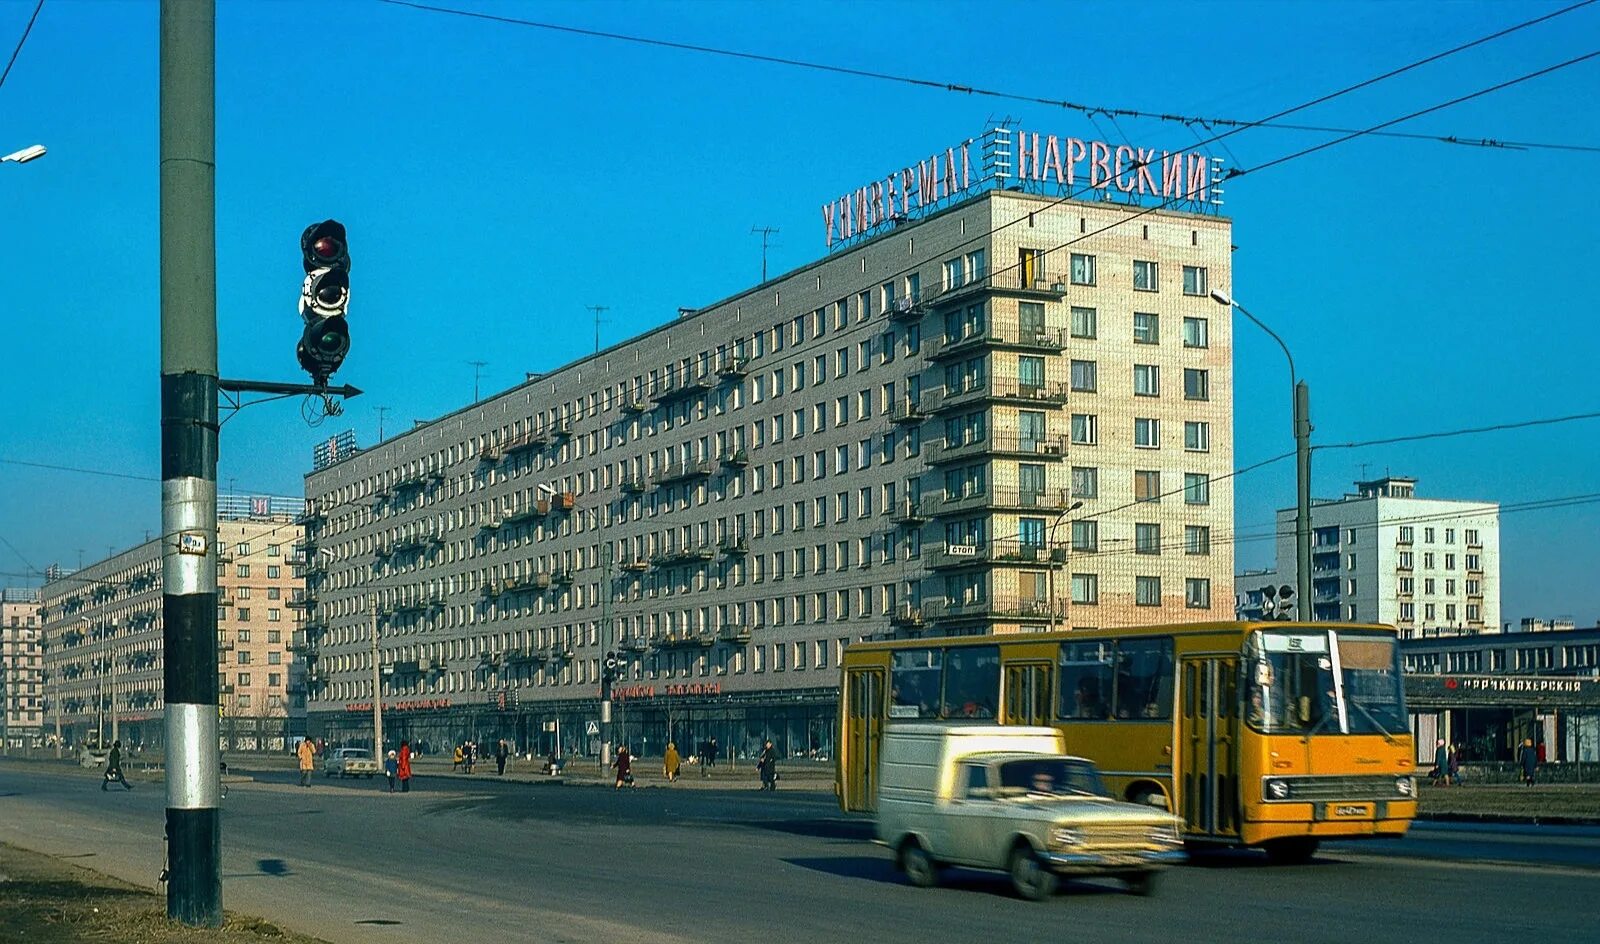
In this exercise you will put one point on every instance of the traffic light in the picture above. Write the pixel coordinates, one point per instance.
(1277, 602)
(324, 296)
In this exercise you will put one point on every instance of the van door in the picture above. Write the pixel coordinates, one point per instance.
(863, 713)
(1028, 693)
(1208, 735)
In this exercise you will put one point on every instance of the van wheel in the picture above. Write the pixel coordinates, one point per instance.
(1029, 876)
(919, 867)
(1142, 884)
(1297, 850)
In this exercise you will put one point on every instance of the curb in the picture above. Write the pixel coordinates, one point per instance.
(1507, 819)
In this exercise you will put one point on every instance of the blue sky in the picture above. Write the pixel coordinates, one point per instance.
(497, 179)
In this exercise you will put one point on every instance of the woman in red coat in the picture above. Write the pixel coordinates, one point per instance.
(404, 767)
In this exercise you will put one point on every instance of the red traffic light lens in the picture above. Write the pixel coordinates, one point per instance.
(327, 247)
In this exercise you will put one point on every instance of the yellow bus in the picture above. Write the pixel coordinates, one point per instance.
(1275, 734)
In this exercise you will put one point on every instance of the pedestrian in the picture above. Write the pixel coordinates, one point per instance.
(402, 767)
(670, 761)
(767, 765)
(624, 767)
(471, 754)
(458, 758)
(1455, 765)
(1530, 761)
(391, 767)
(1540, 749)
(308, 760)
(1441, 765)
(114, 772)
(711, 752)
(703, 750)
(501, 752)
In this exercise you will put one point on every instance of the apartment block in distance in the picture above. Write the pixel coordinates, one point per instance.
(1428, 566)
(21, 670)
(888, 441)
(103, 630)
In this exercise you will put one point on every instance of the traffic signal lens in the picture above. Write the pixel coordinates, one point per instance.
(327, 247)
(329, 294)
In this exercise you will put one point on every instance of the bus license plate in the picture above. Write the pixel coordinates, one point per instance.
(1350, 810)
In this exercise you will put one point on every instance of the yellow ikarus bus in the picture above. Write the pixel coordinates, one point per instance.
(1274, 734)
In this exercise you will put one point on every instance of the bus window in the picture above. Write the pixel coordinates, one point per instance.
(914, 684)
(1086, 680)
(1144, 678)
(971, 682)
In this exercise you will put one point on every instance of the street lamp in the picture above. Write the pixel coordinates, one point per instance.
(1055, 606)
(1302, 460)
(31, 153)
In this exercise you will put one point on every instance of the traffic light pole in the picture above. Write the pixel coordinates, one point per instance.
(1302, 510)
(189, 458)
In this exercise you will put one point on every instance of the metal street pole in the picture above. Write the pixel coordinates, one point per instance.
(114, 735)
(377, 686)
(605, 644)
(189, 458)
(1055, 605)
(1302, 461)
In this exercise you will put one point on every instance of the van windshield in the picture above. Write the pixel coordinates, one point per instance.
(1049, 776)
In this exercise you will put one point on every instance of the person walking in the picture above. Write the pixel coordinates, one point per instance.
(624, 767)
(1530, 761)
(501, 752)
(114, 772)
(458, 759)
(711, 752)
(767, 765)
(471, 755)
(670, 762)
(403, 766)
(308, 760)
(391, 767)
(1454, 779)
(703, 751)
(1441, 764)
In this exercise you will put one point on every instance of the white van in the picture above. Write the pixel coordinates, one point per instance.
(1009, 797)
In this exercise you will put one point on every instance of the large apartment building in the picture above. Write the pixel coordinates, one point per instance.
(103, 634)
(21, 670)
(892, 440)
(1384, 555)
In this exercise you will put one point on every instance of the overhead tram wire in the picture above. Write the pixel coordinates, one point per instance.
(18, 51)
(1234, 125)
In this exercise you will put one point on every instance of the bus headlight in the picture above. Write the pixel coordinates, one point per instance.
(1277, 789)
(1063, 836)
(1405, 786)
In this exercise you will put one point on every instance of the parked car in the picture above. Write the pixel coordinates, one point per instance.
(1011, 798)
(350, 762)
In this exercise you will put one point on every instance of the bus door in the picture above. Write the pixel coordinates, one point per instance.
(1208, 738)
(1028, 693)
(863, 711)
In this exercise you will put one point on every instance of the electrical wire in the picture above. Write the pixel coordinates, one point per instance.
(1088, 110)
(18, 51)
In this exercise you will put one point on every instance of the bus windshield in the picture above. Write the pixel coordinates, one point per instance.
(1304, 681)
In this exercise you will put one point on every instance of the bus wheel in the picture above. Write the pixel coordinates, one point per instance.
(1029, 876)
(1140, 883)
(919, 867)
(1297, 850)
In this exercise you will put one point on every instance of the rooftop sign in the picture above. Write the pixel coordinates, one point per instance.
(1031, 161)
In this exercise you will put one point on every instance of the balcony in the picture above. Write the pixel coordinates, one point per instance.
(907, 616)
(633, 485)
(1003, 338)
(530, 511)
(635, 565)
(906, 309)
(734, 634)
(631, 404)
(672, 390)
(733, 547)
(420, 603)
(1053, 447)
(687, 555)
(635, 644)
(561, 578)
(683, 472)
(1001, 552)
(1007, 497)
(564, 501)
(735, 459)
(912, 512)
(733, 368)
(907, 411)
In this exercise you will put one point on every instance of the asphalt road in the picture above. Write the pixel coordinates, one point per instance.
(481, 860)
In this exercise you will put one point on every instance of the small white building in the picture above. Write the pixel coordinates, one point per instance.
(1383, 555)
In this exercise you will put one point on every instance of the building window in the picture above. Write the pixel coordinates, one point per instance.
(1083, 376)
(1085, 429)
(1085, 482)
(1146, 486)
(1197, 593)
(244, 614)
(274, 571)
(1194, 280)
(1147, 591)
(1146, 328)
(1196, 488)
(1147, 539)
(1144, 275)
(1086, 588)
(1406, 533)
(274, 658)
(1146, 433)
(1197, 436)
(274, 614)
(1082, 269)
(1086, 536)
(1196, 332)
(1147, 380)
(1471, 535)
(1196, 384)
(1084, 322)
(953, 278)
(1196, 539)
(242, 570)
